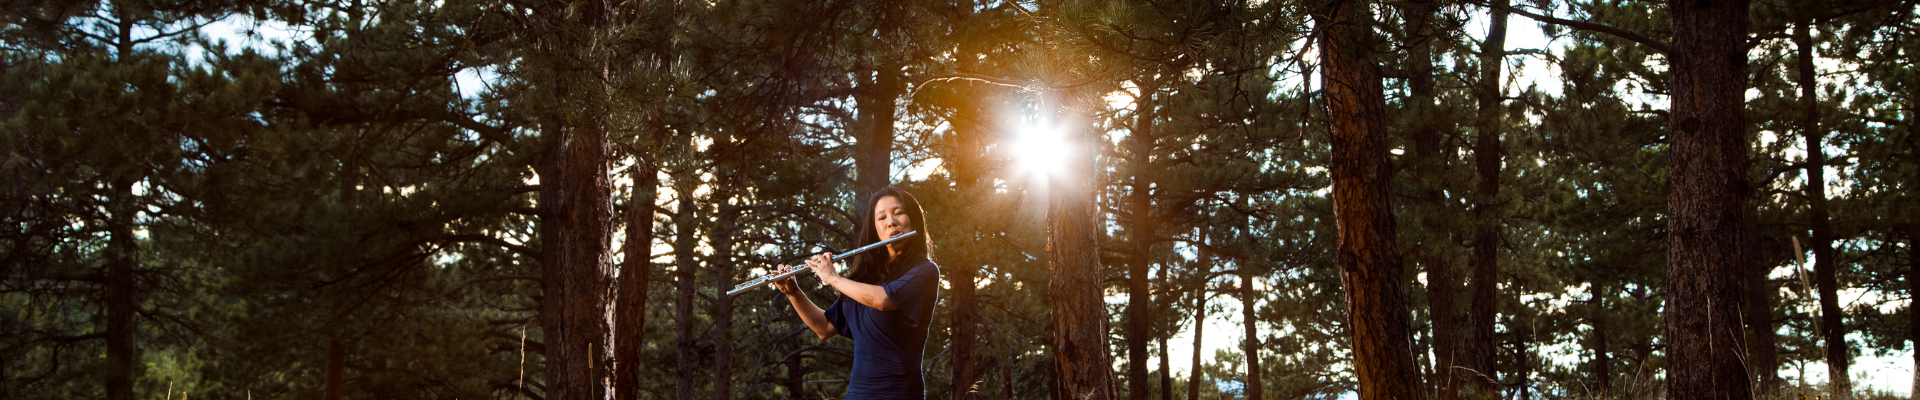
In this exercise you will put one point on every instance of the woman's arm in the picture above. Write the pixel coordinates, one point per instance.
(809, 313)
(868, 294)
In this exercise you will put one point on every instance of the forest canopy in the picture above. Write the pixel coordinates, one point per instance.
(1141, 199)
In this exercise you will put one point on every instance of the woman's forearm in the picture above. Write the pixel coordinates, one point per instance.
(812, 315)
(868, 294)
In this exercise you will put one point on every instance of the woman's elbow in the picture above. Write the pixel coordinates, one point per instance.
(824, 334)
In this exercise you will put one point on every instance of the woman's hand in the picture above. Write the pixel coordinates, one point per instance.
(822, 265)
(788, 286)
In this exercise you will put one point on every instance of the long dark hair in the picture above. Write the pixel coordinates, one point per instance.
(875, 266)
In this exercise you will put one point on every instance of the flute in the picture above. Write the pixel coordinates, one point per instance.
(764, 280)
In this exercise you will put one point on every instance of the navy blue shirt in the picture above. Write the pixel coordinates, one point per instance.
(888, 345)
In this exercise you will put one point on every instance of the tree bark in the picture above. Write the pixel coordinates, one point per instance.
(336, 367)
(1487, 159)
(1251, 346)
(1426, 165)
(122, 260)
(1913, 292)
(874, 149)
(1833, 328)
(685, 264)
(969, 174)
(1762, 350)
(1370, 265)
(722, 240)
(635, 278)
(1079, 308)
(1602, 342)
(1194, 376)
(1166, 374)
(576, 259)
(1707, 194)
(1140, 238)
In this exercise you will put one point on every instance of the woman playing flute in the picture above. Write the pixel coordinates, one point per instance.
(885, 303)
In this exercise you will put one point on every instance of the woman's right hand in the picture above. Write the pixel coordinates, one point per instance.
(787, 286)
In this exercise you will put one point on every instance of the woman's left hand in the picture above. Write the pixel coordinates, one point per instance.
(822, 265)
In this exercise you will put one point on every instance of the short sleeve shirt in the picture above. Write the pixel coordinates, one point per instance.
(888, 345)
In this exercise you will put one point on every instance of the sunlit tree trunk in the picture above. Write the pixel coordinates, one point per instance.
(1706, 200)
(1370, 267)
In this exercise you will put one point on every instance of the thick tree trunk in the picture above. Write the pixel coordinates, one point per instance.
(1251, 346)
(1080, 317)
(635, 277)
(685, 264)
(1833, 328)
(1707, 194)
(1140, 238)
(1487, 159)
(122, 259)
(1370, 267)
(576, 260)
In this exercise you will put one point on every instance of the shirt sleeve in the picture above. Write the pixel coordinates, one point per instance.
(915, 291)
(836, 315)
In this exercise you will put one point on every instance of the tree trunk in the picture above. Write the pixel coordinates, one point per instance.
(1140, 237)
(969, 173)
(122, 260)
(1426, 165)
(1913, 292)
(1707, 194)
(1251, 346)
(1079, 308)
(722, 241)
(1199, 323)
(797, 377)
(1833, 328)
(1370, 266)
(576, 259)
(1602, 349)
(1166, 374)
(1487, 159)
(685, 263)
(874, 149)
(336, 367)
(1762, 350)
(635, 276)
(963, 331)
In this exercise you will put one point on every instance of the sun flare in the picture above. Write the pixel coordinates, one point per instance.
(1040, 149)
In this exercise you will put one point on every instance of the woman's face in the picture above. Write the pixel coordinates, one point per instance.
(889, 220)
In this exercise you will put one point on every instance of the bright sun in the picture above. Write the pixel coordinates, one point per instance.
(1040, 149)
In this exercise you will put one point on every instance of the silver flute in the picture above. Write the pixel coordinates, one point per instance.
(764, 280)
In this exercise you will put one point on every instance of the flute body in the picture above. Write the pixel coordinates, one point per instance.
(764, 280)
